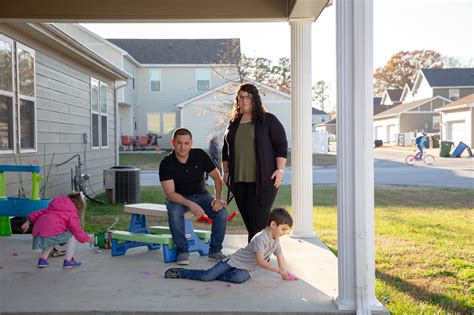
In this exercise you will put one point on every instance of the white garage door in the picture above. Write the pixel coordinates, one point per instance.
(378, 133)
(457, 131)
(391, 133)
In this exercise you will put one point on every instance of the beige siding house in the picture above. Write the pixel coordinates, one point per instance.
(207, 115)
(127, 96)
(457, 120)
(408, 117)
(174, 71)
(57, 100)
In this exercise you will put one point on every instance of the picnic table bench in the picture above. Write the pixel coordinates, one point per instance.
(154, 237)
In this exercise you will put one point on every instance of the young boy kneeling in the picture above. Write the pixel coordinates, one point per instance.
(236, 268)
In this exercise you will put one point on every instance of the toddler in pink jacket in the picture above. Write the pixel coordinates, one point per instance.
(58, 224)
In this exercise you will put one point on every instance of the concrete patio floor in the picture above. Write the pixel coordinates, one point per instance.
(134, 283)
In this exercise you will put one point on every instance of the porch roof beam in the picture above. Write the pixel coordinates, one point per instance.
(160, 10)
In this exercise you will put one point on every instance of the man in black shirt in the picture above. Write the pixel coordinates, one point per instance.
(182, 178)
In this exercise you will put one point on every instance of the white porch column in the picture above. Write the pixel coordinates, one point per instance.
(355, 164)
(301, 133)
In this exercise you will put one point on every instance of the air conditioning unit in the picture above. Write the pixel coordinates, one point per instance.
(122, 184)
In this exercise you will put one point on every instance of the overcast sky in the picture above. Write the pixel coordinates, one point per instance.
(444, 26)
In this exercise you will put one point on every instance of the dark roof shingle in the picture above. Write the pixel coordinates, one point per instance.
(452, 77)
(317, 111)
(182, 51)
(395, 94)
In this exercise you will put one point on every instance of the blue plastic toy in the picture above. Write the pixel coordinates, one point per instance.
(21, 206)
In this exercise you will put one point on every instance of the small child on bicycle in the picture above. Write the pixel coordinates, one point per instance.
(421, 144)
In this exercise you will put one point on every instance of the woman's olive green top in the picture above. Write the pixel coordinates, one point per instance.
(245, 162)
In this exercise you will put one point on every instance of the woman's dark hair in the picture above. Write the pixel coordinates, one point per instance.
(280, 216)
(258, 110)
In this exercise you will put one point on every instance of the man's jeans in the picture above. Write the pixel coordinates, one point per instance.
(176, 213)
(221, 271)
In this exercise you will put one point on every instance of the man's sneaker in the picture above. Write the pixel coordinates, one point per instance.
(43, 263)
(173, 273)
(70, 263)
(183, 259)
(217, 256)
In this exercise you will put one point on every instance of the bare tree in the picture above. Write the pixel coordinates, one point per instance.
(321, 94)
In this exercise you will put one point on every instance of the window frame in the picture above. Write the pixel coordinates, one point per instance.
(452, 94)
(208, 74)
(99, 114)
(438, 122)
(26, 98)
(148, 114)
(102, 114)
(160, 80)
(11, 95)
(95, 112)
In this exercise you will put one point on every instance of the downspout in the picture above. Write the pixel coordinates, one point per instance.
(117, 137)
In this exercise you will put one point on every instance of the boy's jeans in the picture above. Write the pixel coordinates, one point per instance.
(176, 213)
(221, 271)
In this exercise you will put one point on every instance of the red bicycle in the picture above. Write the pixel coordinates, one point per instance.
(415, 157)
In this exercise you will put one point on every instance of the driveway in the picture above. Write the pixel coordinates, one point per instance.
(389, 169)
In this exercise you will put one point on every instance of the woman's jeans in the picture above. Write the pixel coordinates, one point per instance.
(221, 271)
(176, 213)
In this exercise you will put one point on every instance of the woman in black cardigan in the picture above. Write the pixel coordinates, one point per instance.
(253, 157)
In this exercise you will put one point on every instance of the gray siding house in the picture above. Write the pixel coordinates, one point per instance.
(57, 99)
(452, 84)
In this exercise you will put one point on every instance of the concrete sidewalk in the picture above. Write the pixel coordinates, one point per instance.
(134, 283)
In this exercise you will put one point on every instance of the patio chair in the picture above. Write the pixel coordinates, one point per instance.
(143, 144)
(134, 142)
(126, 143)
(152, 141)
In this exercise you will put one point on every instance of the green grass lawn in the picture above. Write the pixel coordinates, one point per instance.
(151, 161)
(424, 242)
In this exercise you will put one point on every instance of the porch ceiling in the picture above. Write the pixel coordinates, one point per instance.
(160, 10)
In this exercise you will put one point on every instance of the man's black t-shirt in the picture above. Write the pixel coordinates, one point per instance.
(189, 177)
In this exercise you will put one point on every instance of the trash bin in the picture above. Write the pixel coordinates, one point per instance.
(445, 148)
(435, 139)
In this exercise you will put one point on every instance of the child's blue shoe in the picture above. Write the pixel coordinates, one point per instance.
(70, 263)
(43, 263)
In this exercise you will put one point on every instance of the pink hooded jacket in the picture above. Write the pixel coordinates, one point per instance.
(60, 216)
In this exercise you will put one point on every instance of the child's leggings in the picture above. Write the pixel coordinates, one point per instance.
(70, 245)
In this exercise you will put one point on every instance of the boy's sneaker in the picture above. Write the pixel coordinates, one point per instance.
(217, 256)
(70, 263)
(183, 259)
(43, 263)
(173, 273)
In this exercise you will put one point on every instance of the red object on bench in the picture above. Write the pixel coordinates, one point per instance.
(209, 220)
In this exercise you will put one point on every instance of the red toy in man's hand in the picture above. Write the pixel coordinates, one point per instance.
(209, 220)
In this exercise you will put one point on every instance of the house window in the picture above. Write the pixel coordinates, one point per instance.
(6, 95)
(453, 94)
(161, 123)
(103, 115)
(154, 123)
(436, 122)
(99, 114)
(155, 80)
(26, 98)
(203, 79)
(169, 122)
(17, 97)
